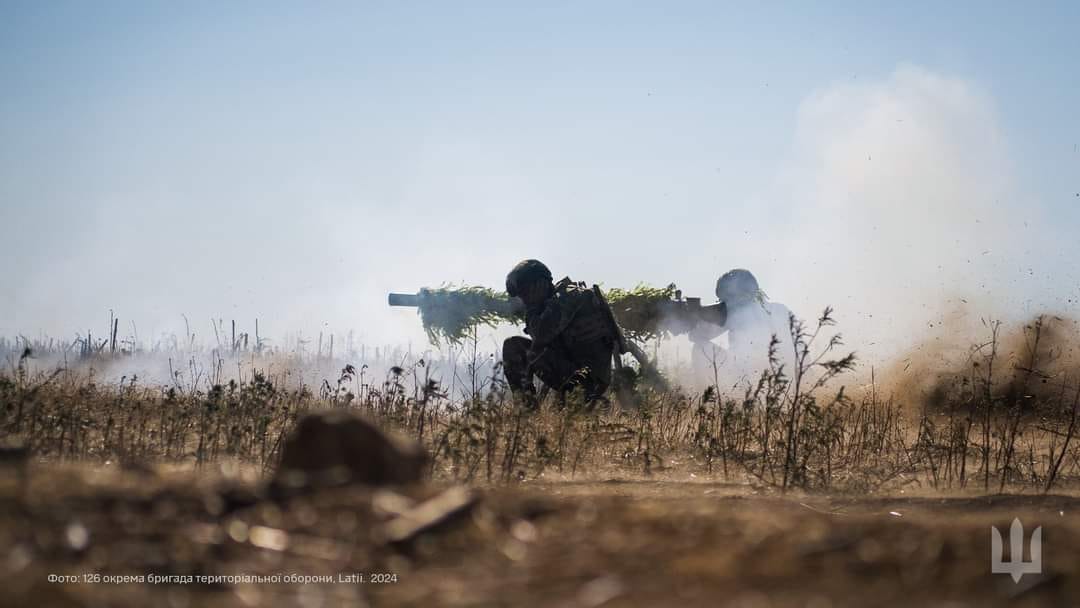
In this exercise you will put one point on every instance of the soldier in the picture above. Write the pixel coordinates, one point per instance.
(572, 337)
(752, 320)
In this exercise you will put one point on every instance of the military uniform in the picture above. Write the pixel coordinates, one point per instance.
(570, 344)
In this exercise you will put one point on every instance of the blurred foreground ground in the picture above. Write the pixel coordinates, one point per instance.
(602, 543)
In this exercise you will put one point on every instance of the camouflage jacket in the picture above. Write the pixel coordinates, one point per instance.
(573, 315)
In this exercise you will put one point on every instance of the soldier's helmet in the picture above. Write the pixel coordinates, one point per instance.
(738, 286)
(526, 273)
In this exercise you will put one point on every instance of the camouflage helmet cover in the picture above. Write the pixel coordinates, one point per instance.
(737, 286)
(526, 273)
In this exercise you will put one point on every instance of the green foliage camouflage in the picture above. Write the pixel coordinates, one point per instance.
(450, 313)
(640, 310)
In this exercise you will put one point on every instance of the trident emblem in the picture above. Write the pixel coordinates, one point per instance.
(1016, 566)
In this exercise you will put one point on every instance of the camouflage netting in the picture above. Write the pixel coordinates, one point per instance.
(450, 313)
(638, 310)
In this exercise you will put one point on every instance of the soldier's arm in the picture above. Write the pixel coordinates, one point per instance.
(704, 332)
(545, 325)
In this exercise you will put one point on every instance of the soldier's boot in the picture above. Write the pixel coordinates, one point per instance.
(593, 386)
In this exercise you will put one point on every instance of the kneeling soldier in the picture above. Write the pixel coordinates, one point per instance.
(572, 336)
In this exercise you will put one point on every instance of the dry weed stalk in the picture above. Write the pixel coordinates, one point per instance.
(789, 429)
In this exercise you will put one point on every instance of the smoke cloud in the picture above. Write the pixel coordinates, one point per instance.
(897, 204)
(899, 207)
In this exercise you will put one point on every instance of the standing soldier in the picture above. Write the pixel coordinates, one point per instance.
(571, 336)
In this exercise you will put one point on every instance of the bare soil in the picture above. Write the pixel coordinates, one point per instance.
(562, 543)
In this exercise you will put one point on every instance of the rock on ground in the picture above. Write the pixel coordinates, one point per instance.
(333, 447)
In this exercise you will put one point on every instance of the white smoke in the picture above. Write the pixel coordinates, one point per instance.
(898, 207)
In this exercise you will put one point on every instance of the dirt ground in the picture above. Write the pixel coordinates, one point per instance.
(560, 543)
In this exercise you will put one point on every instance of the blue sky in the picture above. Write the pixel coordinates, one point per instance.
(296, 161)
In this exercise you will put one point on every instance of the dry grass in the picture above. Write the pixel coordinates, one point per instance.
(792, 492)
(791, 429)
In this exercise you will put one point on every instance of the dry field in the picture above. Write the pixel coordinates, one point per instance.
(792, 491)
